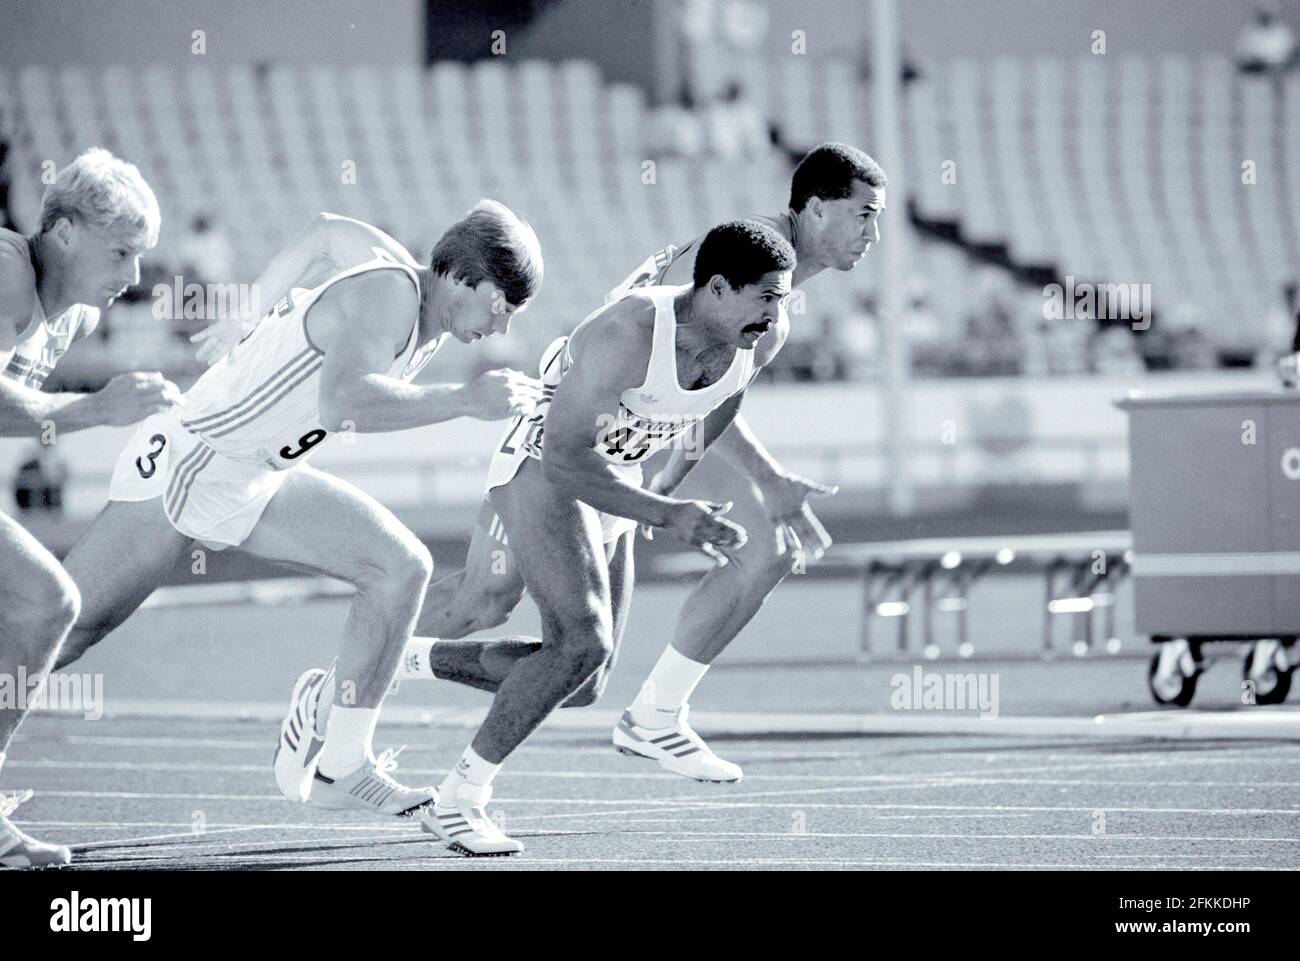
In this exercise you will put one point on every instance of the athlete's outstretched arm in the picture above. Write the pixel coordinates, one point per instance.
(741, 446)
(367, 328)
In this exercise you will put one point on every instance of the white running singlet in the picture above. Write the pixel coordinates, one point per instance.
(261, 403)
(45, 339)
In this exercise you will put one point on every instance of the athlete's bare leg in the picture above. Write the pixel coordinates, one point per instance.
(321, 523)
(478, 597)
(38, 604)
(728, 597)
(573, 598)
(621, 576)
(483, 663)
(482, 595)
(128, 550)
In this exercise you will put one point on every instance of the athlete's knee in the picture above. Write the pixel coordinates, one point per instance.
(495, 603)
(764, 564)
(403, 570)
(46, 613)
(773, 568)
(592, 689)
(585, 639)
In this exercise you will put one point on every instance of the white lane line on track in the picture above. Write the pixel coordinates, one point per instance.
(924, 778)
(1263, 753)
(578, 862)
(222, 824)
(673, 836)
(118, 842)
(175, 846)
(657, 804)
(1257, 724)
(916, 781)
(178, 850)
(190, 841)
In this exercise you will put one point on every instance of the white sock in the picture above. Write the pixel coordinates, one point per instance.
(470, 769)
(347, 741)
(667, 689)
(415, 664)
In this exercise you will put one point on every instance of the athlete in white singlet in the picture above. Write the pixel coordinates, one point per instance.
(354, 319)
(668, 364)
(649, 419)
(837, 195)
(221, 453)
(97, 218)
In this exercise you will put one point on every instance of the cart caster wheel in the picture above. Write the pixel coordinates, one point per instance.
(1268, 668)
(1174, 671)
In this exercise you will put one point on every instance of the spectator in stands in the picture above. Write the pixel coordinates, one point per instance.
(40, 481)
(1114, 351)
(990, 344)
(1267, 43)
(1068, 340)
(926, 333)
(676, 131)
(721, 42)
(736, 127)
(856, 339)
(1190, 347)
(1281, 327)
(206, 254)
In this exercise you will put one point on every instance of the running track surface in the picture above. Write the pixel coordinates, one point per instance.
(191, 794)
(189, 786)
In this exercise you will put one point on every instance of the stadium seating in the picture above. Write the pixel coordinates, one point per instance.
(1122, 171)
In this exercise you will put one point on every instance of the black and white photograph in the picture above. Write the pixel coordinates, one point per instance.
(651, 435)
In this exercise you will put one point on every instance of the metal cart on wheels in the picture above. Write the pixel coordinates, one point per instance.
(1215, 514)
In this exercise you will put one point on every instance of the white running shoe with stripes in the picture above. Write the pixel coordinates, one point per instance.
(19, 849)
(371, 788)
(302, 735)
(676, 747)
(465, 826)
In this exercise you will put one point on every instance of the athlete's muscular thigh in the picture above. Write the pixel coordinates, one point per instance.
(556, 543)
(491, 575)
(129, 549)
(30, 576)
(483, 593)
(321, 523)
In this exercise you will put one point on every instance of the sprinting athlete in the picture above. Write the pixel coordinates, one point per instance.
(354, 319)
(837, 194)
(96, 220)
(661, 364)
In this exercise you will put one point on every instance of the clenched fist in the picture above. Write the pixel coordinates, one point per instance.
(128, 398)
(502, 393)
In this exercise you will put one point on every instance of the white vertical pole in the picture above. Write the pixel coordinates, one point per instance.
(667, 62)
(886, 146)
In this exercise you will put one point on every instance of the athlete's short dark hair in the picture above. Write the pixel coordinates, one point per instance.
(491, 243)
(830, 171)
(741, 251)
